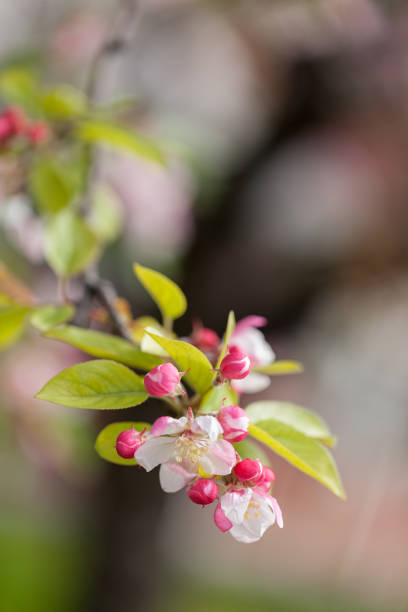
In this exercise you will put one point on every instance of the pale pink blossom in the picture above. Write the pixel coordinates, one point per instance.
(247, 513)
(186, 447)
(251, 340)
(234, 422)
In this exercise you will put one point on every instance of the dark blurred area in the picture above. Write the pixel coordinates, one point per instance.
(287, 197)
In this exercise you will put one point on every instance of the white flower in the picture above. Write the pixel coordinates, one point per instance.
(186, 447)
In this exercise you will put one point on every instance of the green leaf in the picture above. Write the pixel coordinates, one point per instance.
(305, 453)
(106, 441)
(99, 384)
(19, 85)
(64, 102)
(213, 400)
(279, 367)
(188, 357)
(251, 450)
(117, 137)
(307, 422)
(50, 184)
(105, 218)
(45, 318)
(229, 329)
(12, 324)
(69, 245)
(107, 346)
(167, 295)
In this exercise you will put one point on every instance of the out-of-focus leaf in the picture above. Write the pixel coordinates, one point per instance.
(45, 318)
(218, 396)
(105, 218)
(139, 325)
(167, 295)
(117, 137)
(64, 102)
(106, 346)
(12, 324)
(307, 422)
(100, 385)
(307, 454)
(50, 184)
(247, 448)
(188, 357)
(70, 246)
(228, 331)
(279, 367)
(105, 444)
(13, 288)
(19, 85)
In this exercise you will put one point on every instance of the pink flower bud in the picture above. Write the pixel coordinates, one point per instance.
(236, 364)
(266, 479)
(38, 133)
(234, 422)
(249, 470)
(162, 380)
(205, 339)
(5, 128)
(16, 119)
(127, 443)
(223, 523)
(203, 492)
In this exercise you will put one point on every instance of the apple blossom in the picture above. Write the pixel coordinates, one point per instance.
(267, 478)
(163, 380)
(236, 364)
(204, 491)
(186, 447)
(247, 513)
(205, 339)
(234, 422)
(128, 442)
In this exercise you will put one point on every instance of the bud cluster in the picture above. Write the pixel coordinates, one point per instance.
(14, 124)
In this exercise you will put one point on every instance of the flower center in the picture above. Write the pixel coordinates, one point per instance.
(191, 449)
(254, 507)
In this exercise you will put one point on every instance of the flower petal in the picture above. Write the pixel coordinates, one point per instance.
(253, 383)
(155, 451)
(207, 426)
(222, 522)
(250, 321)
(234, 504)
(219, 459)
(276, 510)
(173, 477)
(165, 426)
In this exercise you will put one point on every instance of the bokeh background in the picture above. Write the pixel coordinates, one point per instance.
(287, 196)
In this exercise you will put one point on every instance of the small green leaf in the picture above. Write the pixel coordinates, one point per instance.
(105, 218)
(167, 295)
(306, 454)
(50, 184)
(218, 396)
(229, 329)
(117, 137)
(279, 367)
(106, 441)
(64, 102)
(100, 385)
(69, 245)
(188, 357)
(307, 422)
(19, 85)
(12, 324)
(251, 450)
(106, 346)
(45, 318)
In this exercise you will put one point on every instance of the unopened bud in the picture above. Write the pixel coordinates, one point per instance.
(234, 422)
(127, 443)
(203, 492)
(248, 470)
(162, 380)
(235, 365)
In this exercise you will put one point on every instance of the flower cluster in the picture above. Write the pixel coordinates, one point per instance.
(14, 124)
(195, 452)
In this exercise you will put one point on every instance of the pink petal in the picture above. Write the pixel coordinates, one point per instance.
(277, 511)
(235, 503)
(221, 520)
(173, 477)
(165, 426)
(250, 321)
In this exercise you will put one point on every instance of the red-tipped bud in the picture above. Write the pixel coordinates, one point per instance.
(38, 133)
(248, 470)
(16, 119)
(234, 422)
(236, 364)
(127, 443)
(267, 478)
(205, 339)
(162, 380)
(203, 492)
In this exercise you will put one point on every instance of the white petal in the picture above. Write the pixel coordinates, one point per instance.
(165, 426)
(242, 534)
(253, 383)
(207, 426)
(174, 477)
(276, 510)
(253, 343)
(155, 451)
(219, 459)
(234, 504)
